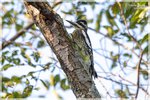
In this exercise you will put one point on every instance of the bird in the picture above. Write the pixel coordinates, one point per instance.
(83, 44)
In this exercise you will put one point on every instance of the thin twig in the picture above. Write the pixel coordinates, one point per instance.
(112, 80)
(138, 74)
(106, 90)
(127, 48)
(56, 4)
(134, 85)
(122, 45)
(119, 61)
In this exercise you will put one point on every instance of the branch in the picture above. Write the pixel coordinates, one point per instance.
(21, 32)
(138, 74)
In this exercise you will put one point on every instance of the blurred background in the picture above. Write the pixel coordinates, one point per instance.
(119, 32)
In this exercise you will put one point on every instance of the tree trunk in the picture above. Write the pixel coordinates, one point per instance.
(52, 27)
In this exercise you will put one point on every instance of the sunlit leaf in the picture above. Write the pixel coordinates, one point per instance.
(110, 31)
(142, 14)
(51, 80)
(19, 26)
(27, 82)
(16, 79)
(27, 91)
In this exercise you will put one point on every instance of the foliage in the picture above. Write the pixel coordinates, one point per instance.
(121, 25)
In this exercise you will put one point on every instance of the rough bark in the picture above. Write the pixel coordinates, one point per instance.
(52, 27)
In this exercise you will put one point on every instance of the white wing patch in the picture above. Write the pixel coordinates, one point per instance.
(86, 39)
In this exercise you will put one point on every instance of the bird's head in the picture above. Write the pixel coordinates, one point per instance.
(81, 24)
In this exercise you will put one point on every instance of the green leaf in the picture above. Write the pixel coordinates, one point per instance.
(23, 52)
(27, 91)
(46, 84)
(40, 44)
(16, 79)
(26, 56)
(98, 21)
(30, 73)
(115, 9)
(128, 11)
(63, 84)
(145, 51)
(16, 94)
(134, 18)
(38, 88)
(114, 64)
(4, 53)
(145, 39)
(138, 16)
(9, 95)
(2, 60)
(16, 61)
(5, 67)
(36, 56)
(19, 26)
(145, 74)
(7, 17)
(5, 79)
(114, 58)
(27, 82)
(56, 79)
(68, 12)
(127, 36)
(127, 55)
(17, 44)
(9, 59)
(15, 52)
(121, 93)
(108, 15)
(124, 64)
(142, 14)
(110, 31)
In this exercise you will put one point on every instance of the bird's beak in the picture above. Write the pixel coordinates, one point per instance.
(73, 23)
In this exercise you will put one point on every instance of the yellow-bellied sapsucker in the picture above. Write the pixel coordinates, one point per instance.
(83, 44)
